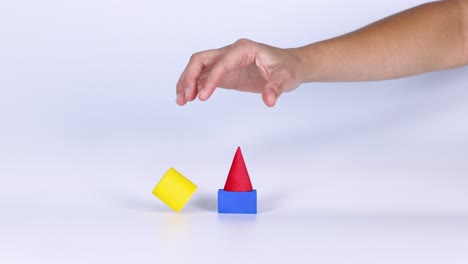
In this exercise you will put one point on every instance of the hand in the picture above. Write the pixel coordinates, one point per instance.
(244, 66)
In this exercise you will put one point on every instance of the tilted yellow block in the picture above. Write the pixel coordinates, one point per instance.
(174, 189)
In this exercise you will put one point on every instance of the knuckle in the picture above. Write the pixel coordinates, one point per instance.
(243, 42)
(196, 56)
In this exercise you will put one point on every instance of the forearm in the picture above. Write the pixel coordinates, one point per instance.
(426, 38)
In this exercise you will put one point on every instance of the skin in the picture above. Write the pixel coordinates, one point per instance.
(425, 38)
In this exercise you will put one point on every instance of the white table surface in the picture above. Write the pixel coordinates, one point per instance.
(346, 173)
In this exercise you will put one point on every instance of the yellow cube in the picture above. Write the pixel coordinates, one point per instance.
(174, 189)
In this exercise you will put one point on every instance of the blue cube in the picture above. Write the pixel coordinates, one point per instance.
(237, 202)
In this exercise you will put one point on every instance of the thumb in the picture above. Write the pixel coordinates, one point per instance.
(270, 93)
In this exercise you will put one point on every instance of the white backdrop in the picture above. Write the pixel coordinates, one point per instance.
(371, 172)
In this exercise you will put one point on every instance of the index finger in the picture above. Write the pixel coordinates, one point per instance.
(187, 86)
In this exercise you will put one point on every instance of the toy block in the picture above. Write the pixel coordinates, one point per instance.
(237, 202)
(238, 179)
(238, 195)
(174, 189)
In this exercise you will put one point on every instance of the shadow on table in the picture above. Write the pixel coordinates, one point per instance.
(142, 205)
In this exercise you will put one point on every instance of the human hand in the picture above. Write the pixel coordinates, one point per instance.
(244, 66)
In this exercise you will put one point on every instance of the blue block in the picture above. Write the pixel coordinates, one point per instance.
(237, 202)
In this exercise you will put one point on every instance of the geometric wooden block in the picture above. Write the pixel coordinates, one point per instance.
(237, 202)
(238, 179)
(174, 189)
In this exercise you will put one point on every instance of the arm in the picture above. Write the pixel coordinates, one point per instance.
(429, 37)
(422, 39)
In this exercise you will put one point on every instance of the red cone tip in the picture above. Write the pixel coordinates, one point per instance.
(238, 179)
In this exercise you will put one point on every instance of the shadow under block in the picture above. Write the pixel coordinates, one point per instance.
(174, 189)
(237, 202)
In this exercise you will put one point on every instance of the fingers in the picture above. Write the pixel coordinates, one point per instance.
(187, 86)
(180, 93)
(212, 80)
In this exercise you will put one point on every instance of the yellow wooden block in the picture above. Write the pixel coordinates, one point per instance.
(174, 189)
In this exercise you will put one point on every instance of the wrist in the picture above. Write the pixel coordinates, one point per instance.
(310, 63)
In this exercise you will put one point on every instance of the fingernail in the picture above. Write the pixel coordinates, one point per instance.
(201, 91)
(179, 96)
(187, 92)
(272, 95)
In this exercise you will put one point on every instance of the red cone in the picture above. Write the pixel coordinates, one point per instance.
(238, 179)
